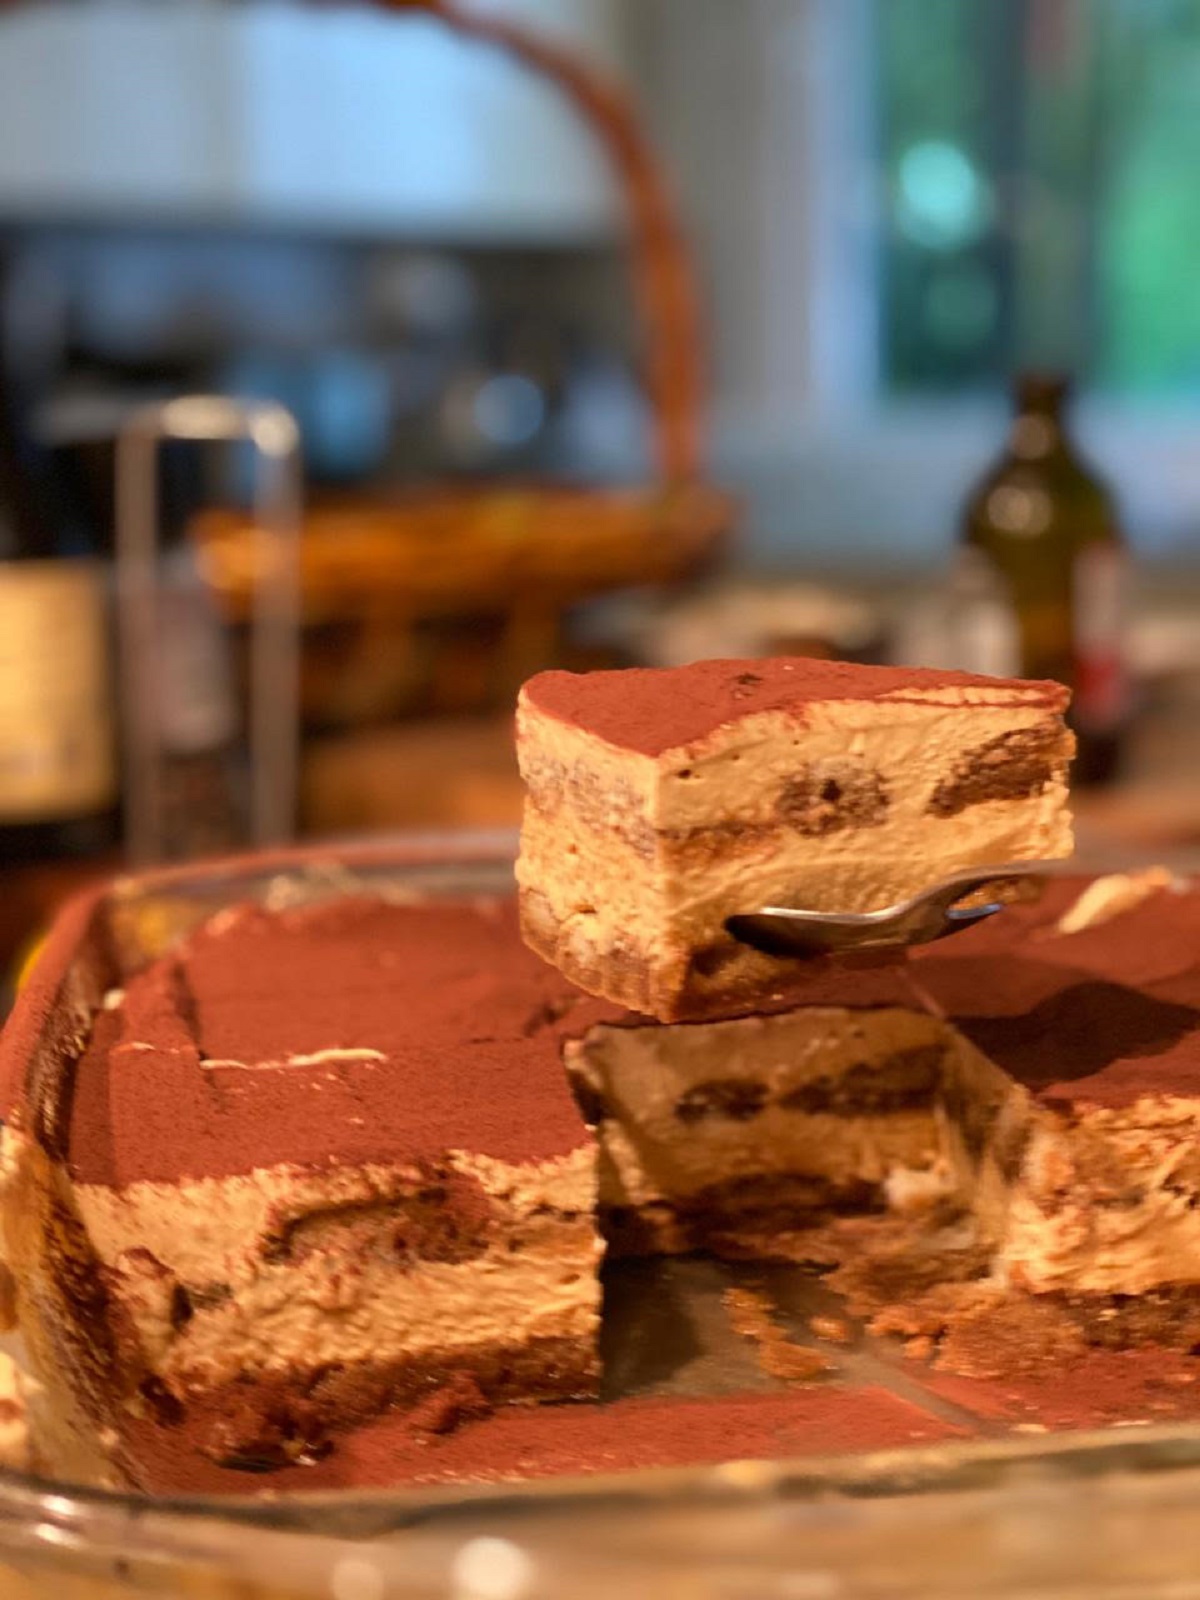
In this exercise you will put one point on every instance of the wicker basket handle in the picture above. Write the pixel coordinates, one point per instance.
(664, 282)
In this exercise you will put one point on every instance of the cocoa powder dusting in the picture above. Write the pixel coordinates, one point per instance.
(654, 709)
(458, 1025)
(458, 1401)
(518, 1442)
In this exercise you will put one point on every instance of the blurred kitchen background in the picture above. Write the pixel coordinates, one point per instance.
(526, 444)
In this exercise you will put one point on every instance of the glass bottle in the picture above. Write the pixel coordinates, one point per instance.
(58, 778)
(1042, 575)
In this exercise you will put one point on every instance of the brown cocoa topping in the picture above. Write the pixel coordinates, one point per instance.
(545, 1441)
(1013, 766)
(414, 984)
(1106, 1033)
(738, 1099)
(653, 709)
(821, 800)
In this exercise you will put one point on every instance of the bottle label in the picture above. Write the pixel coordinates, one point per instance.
(984, 632)
(1101, 697)
(56, 726)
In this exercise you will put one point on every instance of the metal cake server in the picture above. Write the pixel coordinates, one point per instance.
(932, 914)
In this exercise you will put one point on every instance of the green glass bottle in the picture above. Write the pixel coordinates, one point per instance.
(1043, 573)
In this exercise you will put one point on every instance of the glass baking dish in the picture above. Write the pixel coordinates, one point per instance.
(995, 1511)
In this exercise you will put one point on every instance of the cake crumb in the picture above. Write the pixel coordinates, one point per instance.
(836, 1330)
(458, 1400)
(920, 1348)
(778, 1356)
(1113, 896)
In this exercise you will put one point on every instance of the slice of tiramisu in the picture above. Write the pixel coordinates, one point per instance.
(730, 1135)
(1073, 1101)
(662, 802)
(316, 1164)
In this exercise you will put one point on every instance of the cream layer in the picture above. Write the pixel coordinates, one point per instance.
(336, 1292)
(594, 877)
(739, 779)
(1110, 1205)
(684, 1110)
(1103, 1202)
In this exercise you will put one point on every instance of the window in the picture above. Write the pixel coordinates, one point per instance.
(1039, 163)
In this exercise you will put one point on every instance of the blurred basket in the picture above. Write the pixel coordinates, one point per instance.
(446, 597)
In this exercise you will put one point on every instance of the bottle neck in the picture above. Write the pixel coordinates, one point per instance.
(1039, 426)
(1037, 433)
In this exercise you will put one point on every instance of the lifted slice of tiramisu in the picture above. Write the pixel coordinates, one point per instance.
(661, 802)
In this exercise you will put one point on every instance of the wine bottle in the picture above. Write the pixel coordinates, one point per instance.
(58, 777)
(1041, 581)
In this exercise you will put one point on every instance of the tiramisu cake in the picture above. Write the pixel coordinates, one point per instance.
(323, 1193)
(314, 1165)
(662, 802)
